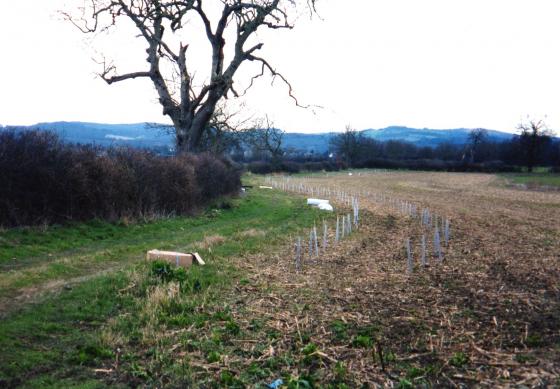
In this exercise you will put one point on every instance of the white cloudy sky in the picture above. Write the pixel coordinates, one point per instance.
(368, 63)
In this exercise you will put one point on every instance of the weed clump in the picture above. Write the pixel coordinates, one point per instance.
(166, 273)
(459, 359)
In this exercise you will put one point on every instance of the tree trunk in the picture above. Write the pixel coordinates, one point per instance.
(188, 137)
(190, 129)
(181, 138)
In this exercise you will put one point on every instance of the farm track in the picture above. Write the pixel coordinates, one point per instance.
(488, 316)
(34, 294)
(29, 285)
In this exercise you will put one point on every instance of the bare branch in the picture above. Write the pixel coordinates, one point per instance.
(110, 68)
(122, 77)
(274, 73)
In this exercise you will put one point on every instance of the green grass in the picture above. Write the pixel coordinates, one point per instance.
(534, 179)
(345, 172)
(60, 340)
(31, 257)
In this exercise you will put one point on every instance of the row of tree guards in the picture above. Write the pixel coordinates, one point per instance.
(429, 221)
(435, 229)
(344, 226)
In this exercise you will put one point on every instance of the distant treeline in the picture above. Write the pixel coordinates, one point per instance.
(353, 149)
(43, 180)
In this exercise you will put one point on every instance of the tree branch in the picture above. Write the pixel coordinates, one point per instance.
(274, 73)
(122, 77)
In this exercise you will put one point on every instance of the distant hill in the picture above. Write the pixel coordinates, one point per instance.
(429, 137)
(319, 143)
(154, 136)
(316, 143)
(142, 135)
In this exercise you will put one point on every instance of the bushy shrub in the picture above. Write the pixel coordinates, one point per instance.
(332, 166)
(43, 180)
(260, 167)
(438, 165)
(265, 167)
(214, 176)
(313, 166)
(290, 167)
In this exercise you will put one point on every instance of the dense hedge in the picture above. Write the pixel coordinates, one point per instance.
(439, 165)
(266, 167)
(43, 180)
(262, 167)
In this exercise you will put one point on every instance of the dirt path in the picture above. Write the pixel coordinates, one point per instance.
(34, 294)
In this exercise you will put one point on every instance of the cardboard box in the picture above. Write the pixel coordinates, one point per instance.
(175, 258)
(198, 259)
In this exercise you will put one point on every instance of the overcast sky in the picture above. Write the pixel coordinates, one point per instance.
(367, 63)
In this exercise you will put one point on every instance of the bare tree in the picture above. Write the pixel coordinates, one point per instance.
(267, 139)
(347, 145)
(533, 138)
(477, 137)
(160, 22)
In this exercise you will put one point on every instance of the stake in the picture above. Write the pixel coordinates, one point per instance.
(437, 247)
(315, 241)
(298, 254)
(310, 252)
(423, 251)
(409, 256)
(324, 236)
(337, 237)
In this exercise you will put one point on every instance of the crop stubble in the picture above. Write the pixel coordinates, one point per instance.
(488, 315)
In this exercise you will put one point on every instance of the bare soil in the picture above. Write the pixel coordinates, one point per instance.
(487, 316)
